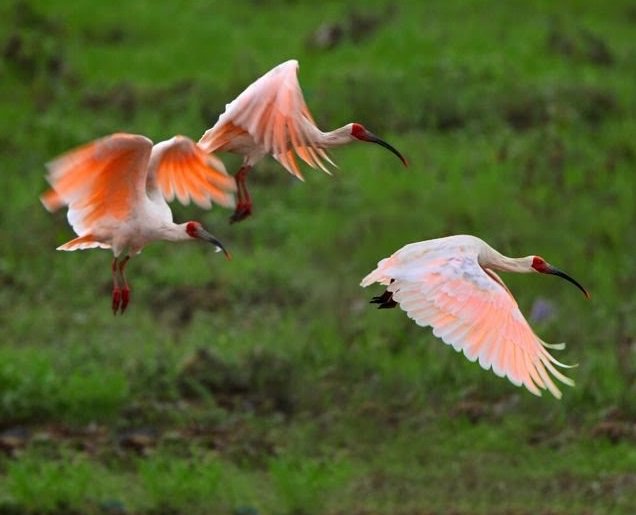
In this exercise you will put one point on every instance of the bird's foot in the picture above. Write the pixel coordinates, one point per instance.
(125, 298)
(117, 297)
(241, 212)
(385, 300)
(121, 298)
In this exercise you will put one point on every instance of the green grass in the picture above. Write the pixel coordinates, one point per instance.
(267, 384)
(452, 465)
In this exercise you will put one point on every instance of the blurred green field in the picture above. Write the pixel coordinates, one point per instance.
(268, 384)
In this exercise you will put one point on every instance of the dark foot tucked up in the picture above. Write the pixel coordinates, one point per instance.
(385, 300)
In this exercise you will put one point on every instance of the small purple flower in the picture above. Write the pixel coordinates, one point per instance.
(543, 310)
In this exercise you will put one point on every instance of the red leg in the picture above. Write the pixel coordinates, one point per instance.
(125, 290)
(116, 287)
(244, 204)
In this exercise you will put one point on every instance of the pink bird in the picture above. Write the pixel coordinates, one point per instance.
(450, 284)
(271, 117)
(116, 189)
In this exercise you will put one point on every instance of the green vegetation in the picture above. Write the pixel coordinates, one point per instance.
(267, 384)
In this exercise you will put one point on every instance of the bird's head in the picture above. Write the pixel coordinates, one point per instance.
(543, 267)
(196, 231)
(359, 132)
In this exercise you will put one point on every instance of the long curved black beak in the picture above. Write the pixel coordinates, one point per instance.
(206, 236)
(555, 271)
(372, 138)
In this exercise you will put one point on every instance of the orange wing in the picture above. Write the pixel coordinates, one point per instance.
(179, 167)
(102, 179)
(468, 309)
(273, 112)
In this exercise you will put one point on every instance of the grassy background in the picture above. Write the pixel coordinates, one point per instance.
(268, 384)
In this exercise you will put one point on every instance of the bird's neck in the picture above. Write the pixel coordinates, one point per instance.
(493, 259)
(173, 232)
(337, 137)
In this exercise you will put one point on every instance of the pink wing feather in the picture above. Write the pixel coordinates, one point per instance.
(101, 179)
(273, 112)
(179, 167)
(470, 309)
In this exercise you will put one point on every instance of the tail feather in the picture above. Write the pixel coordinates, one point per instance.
(87, 241)
(381, 274)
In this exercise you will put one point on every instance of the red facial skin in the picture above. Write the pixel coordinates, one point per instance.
(358, 131)
(539, 264)
(192, 228)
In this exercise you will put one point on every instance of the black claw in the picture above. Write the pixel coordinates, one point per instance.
(385, 300)
(381, 299)
(388, 305)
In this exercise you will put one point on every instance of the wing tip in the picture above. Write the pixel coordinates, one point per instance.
(290, 63)
(51, 201)
(127, 137)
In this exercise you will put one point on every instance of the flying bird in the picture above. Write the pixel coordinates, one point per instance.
(450, 284)
(116, 189)
(271, 117)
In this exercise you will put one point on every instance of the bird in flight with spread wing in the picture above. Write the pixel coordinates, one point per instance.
(116, 189)
(450, 284)
(271, 117)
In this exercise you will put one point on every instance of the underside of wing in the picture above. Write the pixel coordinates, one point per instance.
(99, 180)
(180, 168)
(273, 112)
(469, 310)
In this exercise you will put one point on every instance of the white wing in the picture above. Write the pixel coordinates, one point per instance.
(470, 309)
